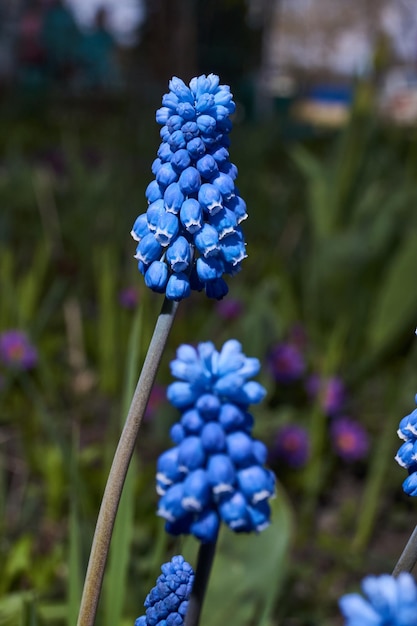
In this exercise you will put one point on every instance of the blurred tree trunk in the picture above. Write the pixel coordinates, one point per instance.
(170, 38)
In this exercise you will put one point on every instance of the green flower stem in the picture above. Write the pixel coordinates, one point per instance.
(110, 502)
(408, 558)
(379, 466)
(316, 469)
(202, 575)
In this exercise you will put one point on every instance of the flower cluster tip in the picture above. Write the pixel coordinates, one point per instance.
(167, 602)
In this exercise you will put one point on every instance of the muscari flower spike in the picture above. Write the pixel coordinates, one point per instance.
(286, 362)
(190, 236)
(166, 604)
(407, 454)
(215, 472)
(330, 392)
(390, 602)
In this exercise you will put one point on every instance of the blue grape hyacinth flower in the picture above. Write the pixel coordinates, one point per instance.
(190, 235)
(407, 454)
(390, 602)
(215, 472)
(166, 604)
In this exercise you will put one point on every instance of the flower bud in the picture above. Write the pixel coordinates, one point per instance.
(190, 180)
(156, 276)
(173, 198)
(191, 215)
(179, 255)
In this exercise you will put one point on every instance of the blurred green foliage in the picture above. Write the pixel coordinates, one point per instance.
(331, 245)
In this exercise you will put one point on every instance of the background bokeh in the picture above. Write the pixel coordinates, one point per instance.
(325, 142)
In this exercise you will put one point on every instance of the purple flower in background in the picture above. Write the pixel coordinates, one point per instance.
(292, 445)
(129, 298)
(350, 440)
(229, 309)
(331, 393)
(286, 362)
(16, 351)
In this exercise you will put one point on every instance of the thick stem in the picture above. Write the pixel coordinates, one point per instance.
(202, 575)
(110, 502)
(408, 558)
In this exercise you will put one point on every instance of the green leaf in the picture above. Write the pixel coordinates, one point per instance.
(247, 572)
(18, 561)
(319, 204)
(107, 339)
(16, 609)
(396, 304)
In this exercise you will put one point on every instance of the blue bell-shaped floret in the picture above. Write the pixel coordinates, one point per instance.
(209, 269)
(207, 240)
(256, 483)
(407, 454)
(148, 250)
(233, 509)
(260, 515)
(217, 289)
(153, 191)
(173, 198)
(221, 473)
(197, 491)
(225, 222)
(166, 175)
(156, 276)
(140, 227)
(170, 505)
(207, 167)
(178, 287)
(208, 405)
(192, 422)
(167, 468)
(154, 213)
(167, 228)
(191, 454)
(189, 180)
(206, 526)
(240, 449)
(213, 438)
(177, 433)
(231, 417)
(410, 483)
(191, 215)
(178, 255)
(181, 395)
(210, 198)
(177, 141)
(180, 160)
